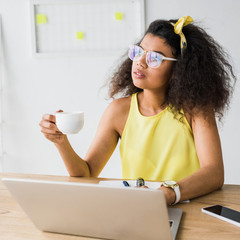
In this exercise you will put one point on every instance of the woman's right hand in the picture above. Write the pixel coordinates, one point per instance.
(50, 130)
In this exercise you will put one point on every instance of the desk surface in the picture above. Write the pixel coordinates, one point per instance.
(15, 225)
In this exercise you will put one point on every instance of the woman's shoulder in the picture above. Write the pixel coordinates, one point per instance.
(120, 105)
(199, 115)
(119, 109)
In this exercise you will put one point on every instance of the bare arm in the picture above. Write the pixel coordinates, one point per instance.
(75, 165)
(70, 158)
(105, 141)
(99, 152)
(210, 176)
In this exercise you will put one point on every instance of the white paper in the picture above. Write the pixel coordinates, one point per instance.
(132, 183)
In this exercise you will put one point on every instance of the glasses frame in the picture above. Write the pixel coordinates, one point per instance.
(147, 52)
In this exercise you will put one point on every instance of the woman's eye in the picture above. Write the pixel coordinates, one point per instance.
(154, 60)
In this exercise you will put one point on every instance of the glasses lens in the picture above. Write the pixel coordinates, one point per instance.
(154, 59)
(135, 52)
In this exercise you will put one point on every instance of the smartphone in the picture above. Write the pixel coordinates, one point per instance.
(223, 213)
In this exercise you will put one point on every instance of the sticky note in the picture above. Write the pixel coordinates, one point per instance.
(80, 35)
(118, 15)
(41, 18)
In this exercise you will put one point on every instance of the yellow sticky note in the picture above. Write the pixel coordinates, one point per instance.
(118, 15)
(80, 35)
(41, 18)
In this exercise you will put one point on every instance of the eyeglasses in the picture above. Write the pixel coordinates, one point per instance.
(153, 59)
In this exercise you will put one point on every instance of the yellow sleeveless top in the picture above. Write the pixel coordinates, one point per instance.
(158, 147)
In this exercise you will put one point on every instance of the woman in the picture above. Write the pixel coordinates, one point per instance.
(175, 82)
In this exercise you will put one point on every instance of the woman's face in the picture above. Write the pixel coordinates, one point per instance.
(155, 79)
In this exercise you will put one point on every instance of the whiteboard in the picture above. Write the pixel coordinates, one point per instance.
(77, 26)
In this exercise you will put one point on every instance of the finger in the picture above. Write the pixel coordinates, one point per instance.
(141, 187)
(50, 131)
(53, 135)
(48, 124)
(52, 139)
(58, 111)
(49, 117)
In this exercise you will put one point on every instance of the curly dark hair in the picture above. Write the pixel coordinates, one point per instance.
(202, 78)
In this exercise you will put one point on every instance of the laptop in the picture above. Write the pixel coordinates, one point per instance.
(96, 211)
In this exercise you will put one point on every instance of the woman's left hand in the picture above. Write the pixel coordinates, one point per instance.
(168, 192)
(169, 195)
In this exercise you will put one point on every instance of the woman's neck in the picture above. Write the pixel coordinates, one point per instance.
(150, 103)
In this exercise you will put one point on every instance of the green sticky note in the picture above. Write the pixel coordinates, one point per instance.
(118, 15)
(41, 18)
(80, 35)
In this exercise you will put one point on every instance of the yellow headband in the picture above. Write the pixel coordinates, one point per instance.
(178, 26)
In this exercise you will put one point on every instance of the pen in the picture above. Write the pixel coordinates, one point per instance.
(140, 182)
(126, 184)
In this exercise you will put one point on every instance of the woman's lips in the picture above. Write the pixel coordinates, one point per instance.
(138, 74)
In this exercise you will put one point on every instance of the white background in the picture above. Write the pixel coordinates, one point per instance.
(34, 86)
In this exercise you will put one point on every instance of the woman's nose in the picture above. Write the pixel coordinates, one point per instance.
(142, 61)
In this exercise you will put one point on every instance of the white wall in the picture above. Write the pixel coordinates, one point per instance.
(35, 86)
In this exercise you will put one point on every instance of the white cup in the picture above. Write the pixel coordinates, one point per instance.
(70, 122)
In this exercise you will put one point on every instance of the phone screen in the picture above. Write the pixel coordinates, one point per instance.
(224, 212)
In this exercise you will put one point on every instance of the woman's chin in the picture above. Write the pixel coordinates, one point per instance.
(138, 83)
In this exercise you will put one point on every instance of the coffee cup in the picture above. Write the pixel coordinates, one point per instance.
(70, 122)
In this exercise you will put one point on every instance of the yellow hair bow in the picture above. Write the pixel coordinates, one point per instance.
(178, 26)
